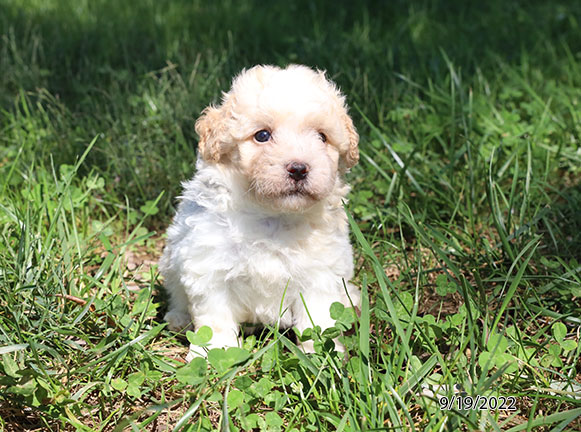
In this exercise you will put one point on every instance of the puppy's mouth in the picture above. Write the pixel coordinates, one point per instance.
(299, 189)
(287, 194)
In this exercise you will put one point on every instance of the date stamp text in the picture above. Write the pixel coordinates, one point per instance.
(464, 402)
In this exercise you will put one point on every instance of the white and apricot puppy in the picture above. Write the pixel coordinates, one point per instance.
(262, 222)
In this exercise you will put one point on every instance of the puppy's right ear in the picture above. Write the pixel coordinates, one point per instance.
(212, 130)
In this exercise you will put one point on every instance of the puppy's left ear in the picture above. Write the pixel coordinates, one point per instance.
(352, 153)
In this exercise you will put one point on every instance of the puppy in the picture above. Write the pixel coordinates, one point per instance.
(260, 234)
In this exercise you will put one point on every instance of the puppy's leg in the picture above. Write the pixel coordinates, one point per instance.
(178, 316)
(215, 313)
(318, 305)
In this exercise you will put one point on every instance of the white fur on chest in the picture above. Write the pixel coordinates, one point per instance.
(263, 261)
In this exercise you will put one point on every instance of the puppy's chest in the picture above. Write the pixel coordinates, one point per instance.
(275, 250)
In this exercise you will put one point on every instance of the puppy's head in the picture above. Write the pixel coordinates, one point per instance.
(286, 130)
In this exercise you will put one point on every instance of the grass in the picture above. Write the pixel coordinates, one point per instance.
(466, 215)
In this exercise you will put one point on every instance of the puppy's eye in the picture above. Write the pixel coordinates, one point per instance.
(323, 137)
(262, 135)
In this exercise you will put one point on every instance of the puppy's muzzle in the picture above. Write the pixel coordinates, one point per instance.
(297, 170)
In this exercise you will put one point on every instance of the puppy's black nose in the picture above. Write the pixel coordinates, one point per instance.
(297, 171)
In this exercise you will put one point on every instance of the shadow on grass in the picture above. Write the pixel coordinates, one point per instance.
(80, 51)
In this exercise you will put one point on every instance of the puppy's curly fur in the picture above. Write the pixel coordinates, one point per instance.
(262, 221)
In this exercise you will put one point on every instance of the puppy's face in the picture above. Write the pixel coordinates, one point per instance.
(286, 130)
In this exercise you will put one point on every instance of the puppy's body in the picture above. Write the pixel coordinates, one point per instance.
(251, 235)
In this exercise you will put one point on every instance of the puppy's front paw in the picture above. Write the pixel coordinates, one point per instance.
(219, 340)
(177, 320)
(308, 347)
(194, 352)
